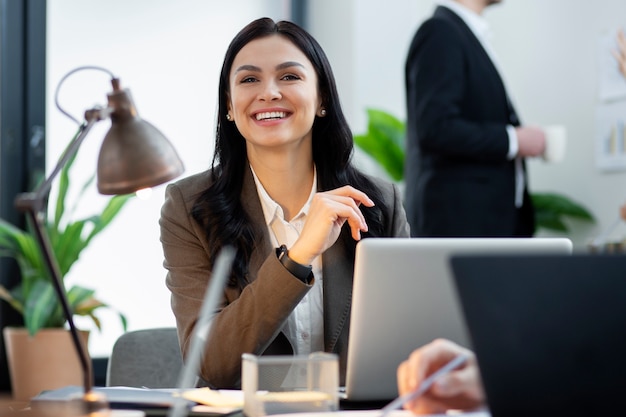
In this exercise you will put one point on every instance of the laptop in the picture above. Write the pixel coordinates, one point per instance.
(549, 332)
(403, 297)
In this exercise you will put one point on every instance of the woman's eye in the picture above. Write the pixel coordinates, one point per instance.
(248, 80)
(290, 77)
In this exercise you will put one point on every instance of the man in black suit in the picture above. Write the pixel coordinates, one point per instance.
(465, 171)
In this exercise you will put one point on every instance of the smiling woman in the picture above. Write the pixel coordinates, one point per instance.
(282, 190)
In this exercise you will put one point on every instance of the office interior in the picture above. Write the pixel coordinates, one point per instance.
(169, 53)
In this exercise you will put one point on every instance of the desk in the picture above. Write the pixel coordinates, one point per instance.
(155, 402)
(10, 407)
(343, 406)
(7, 403)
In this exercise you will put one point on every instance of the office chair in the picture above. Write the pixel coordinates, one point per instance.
(145, 358)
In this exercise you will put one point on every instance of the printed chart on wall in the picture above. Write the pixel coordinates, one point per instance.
(611, 109)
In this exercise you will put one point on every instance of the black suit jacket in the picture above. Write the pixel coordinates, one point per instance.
(459, 181)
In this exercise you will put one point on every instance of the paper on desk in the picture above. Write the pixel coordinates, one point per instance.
(227, 399)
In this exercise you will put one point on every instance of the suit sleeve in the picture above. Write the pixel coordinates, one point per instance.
(247, 320)
(456, 100)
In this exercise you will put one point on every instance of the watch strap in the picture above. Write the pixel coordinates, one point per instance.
(303, 272)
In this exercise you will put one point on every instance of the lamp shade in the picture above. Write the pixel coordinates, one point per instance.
(134, 154)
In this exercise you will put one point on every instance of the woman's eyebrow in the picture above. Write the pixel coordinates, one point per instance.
(254, 68)
(289, 64)
(248, 67)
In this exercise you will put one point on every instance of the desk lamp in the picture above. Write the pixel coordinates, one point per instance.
(134, 155)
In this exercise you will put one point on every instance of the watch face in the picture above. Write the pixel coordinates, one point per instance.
(281, 251)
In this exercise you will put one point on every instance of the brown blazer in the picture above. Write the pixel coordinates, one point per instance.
(250, 320)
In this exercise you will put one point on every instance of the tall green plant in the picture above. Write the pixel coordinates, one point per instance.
(384, 142)
(34, 297)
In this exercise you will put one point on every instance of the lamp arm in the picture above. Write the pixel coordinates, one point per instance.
(33, 204)
(35, 200)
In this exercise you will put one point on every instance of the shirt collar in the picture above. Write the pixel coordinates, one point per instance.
(271, 209)
(477, 24)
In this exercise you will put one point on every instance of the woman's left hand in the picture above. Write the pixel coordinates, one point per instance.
(328, 212)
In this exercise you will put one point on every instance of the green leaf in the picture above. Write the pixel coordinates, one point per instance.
(111, 211)
(68, 245)
(549, 220)
(78, 294)
(40, 304)
(562, 205)
(551, 209)
(384, 142)
(388, 125)
(64, 185)
(10, 298)
(10, 237)
(82, 191)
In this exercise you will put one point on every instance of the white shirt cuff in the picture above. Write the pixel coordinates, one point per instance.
(513, 145)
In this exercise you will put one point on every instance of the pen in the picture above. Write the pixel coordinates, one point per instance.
(424, 386)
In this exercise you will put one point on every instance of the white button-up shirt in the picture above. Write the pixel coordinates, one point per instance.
(305, 326)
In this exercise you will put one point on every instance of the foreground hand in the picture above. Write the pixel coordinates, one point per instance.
(460, 389)
(328, 212)
(531, 141)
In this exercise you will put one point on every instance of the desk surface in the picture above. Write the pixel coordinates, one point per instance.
(7, 403)
(155, 402)
(9, 406)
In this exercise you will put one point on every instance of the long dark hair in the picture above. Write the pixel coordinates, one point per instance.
(219, 210)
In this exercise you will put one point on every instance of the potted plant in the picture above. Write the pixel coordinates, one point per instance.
(34, 297)
(384, 142)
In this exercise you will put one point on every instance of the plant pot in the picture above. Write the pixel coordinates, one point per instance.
(42, 362)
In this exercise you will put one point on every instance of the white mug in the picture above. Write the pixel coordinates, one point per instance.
(556, 141)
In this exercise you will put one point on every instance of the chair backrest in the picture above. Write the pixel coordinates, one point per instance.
(146, 358)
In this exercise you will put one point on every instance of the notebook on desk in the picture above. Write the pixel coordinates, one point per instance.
(403, 297)
(549, 332)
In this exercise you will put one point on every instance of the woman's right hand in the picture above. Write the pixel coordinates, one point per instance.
(460, 389)
(328, 212)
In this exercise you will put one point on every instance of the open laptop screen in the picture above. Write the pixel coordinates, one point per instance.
(549, 332)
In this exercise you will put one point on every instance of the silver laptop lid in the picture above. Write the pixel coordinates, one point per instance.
(403, 297)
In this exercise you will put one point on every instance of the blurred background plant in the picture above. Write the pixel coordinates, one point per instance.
(34, 298)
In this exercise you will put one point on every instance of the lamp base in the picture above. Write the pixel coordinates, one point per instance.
(91, 404)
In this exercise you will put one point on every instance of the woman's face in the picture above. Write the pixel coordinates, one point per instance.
(273, 96)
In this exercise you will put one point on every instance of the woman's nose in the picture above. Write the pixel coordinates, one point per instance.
(270, 91)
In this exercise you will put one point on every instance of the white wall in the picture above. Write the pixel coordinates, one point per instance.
(169, 54)
(548, 51)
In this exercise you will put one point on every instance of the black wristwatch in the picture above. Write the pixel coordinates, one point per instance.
(303, 272)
